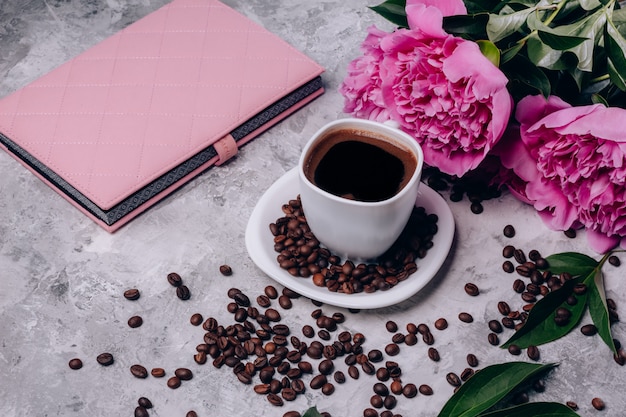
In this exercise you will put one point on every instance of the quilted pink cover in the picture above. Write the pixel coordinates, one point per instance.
(125, 123)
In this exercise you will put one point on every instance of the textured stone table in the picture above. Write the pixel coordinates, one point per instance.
(62, 277)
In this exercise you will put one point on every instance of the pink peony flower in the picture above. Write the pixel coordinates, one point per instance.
(438, 87)
(573, 160)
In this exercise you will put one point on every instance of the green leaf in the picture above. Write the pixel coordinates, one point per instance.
(559, 42)
(540, 327)
(490, 51)
(394, 11)
(520, 70)
(467, 25)
(488, 386)
(538, 409)
(598, 309)
(589, 5)
(502, 26)
(478, 6)
(312, 412)
(616, 50)
(508, 54)
(543, 55)
(598, 99)
(571, 262)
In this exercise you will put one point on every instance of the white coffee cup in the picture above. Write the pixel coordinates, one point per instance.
(350, 227)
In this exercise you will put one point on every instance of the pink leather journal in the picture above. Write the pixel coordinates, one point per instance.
(130, 120)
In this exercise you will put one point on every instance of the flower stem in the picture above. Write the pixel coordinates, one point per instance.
(600, 78)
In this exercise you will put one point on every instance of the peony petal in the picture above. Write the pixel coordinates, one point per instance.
(531, 109)
(600, 242)
(447, 7)
(426, 19)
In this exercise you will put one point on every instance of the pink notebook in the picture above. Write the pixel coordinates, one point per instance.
(130, 120)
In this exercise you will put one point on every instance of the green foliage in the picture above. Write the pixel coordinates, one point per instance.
(575, 49)
(490, 386)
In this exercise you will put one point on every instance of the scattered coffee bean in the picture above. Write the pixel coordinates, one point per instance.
(508, 267)
(472, 360)
(139, 371)
(390, 402)
(226, 270)
(514, 350)
(196, 319)
(174, 382)
(141, 412)
(571, 233)
(495, 326)
(376, 401)
(339, 377)
(433, 354)
(507, 251)
(157, 372)
(392, 349)
(509, 231)
(471, 289)
(292, 414)
(467, 374)
(453, 379)
(105, 359)
(132, 294)
(271, 292)
(353, 371)
(381, 389)
(466, 317)
(425, 389)
(476, 208)
(504, 308)
(589, 330)
(533, 352)
(184, 374)
(493, 339)
(441, 324)
(391, 326)
(75, 363)
(191, 414)
(597, 403)
(572, 405)
(174, 279)
(318, 381)
(409, 390)
(614, 260)
(145, 403)
(284, 302)
(396, 387)
(519, 286)
(135, 321)
(183, 292)
(274, 399)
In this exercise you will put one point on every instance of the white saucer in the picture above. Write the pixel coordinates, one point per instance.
(260, 246)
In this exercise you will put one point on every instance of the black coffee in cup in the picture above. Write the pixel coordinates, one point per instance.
(359, 165)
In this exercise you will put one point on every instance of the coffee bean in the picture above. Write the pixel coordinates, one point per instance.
(589, 330)
(326, 367)
(467, 374)
(614, 260)
(183, 292)
(272, 315)
(381, 389)
(318, 381)
(514, 350)
(466, 317)
(433, 354)
(139, 371)
(533, 352)
(572, 405)
(409, 390)
(476, 208)
(368, 368)
(441, 324)
(135, 321)
(538, 385)
(392, 349)
(196, 319)
(376, 401)
(507, 251)
(353, 371)
(471, 289)
(191, 414)
(493, 339)
(157, 372)
(226, 270)
(509, 231)
(339, 377)
(75, 363)
(370, 412)
(503, 308)
(308, 331)
(141, 412)
(519, 286)
(391, 326)
(580, 289)
(495, 326)
(425, 389)
(285, 302)
(390, 402)
(132, 294)
(508, 267)
(144, 402)
(472, 360)
(375, 355)
(274, 399)
(453, 379)
(184, 374)
(597, 403)
(519, 256)
(292, 414)
(571, 233)
(288, 394)
(105, 359)
(396, 387)
(174, 382)
(271, 292)
(174, 279)
(428, 338)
